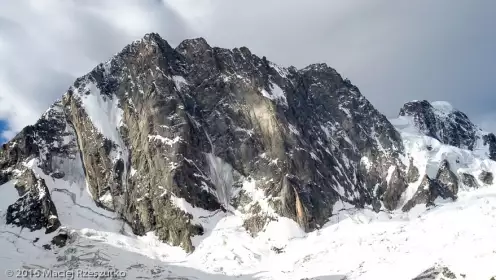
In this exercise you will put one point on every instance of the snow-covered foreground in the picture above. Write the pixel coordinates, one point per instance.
(355, 244)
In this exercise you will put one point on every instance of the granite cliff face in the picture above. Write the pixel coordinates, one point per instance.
(216, 129)
(166, 137)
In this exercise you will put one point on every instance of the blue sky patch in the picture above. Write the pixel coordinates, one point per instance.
(3, 127)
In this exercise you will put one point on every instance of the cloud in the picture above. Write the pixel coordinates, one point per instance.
(394, 51)
(46, 45)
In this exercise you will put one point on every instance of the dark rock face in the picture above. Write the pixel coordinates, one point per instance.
(490, 140)
(449, 126)
(486, 177)
(413, 173)
(395, 189)
(445, 185)
(35, 209)
(469, 180)
(423, 195)
(424, 117)
(447, 178)
(60, 239)
(438, 273)
(208, 126)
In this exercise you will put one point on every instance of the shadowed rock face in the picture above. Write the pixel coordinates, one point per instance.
(413, 172)
(445, 185)
(34, 209)
(469, 180)
(423, 195)
(438, 273)
(449, 126)
(305, 139)
(447, 178)
(486, 177)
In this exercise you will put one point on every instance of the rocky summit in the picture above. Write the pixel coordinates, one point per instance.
(441, 121)
(167, 141)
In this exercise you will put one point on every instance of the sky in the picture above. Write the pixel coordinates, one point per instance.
(394, 51)
(3, 126)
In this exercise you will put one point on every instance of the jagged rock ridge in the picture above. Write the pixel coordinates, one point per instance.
(150, 125)
(439, 273)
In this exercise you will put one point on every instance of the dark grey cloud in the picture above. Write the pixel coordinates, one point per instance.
(394, 51)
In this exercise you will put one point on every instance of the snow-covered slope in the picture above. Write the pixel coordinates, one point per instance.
(356, 244)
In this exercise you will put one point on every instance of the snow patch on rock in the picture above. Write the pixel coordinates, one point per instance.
(276, 93)
(179, 81)
(103, 111)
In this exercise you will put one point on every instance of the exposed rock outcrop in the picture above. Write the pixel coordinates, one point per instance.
(469, 180)
(445, 185)
(423, 195)
(450, 126)
(413, 173)
(438, 273)
(447, 178)
(486, 177)
(34, 209)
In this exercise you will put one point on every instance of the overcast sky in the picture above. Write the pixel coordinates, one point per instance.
(394, 51)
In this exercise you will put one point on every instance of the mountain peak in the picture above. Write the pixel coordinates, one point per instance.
(440, 120)
(179, 144)
(178, 117)
(317, 67)
(423, 105)
(153, 37)
(441, 109)
(411, 107)
(199, 44)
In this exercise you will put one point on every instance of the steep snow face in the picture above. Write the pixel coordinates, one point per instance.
(103, 111)
(106, 115)
(8, 195)
(75, 206)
